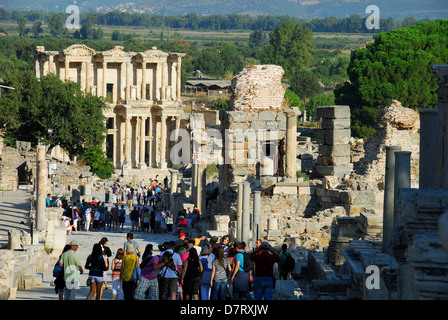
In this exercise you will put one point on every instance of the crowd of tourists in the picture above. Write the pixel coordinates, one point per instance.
(186, 269)
(141, 205)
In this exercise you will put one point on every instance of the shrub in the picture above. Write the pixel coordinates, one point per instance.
(98, 162)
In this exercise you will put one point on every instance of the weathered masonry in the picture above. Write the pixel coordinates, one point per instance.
(143, 90)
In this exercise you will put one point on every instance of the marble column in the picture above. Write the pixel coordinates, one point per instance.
(151, 139)
(202, 188)
(142, 164)
(291, 143)
(256, 216)
(116, 123)
(388, 204)
(66, 69)
(173, 190)
(199, 187)
(163, 136)
(173, 81)
(174, 180)
(441, 178)
(37, 68)
(128, 136)
(178, 82)
(239, 213)
(402, 178)
(246, 214)
(144, 79)
(194, 180)
(88, 75)
(42, 177)
(158, 83)
(165, 74)
(428, 147)
(104, 80)
(128, 80)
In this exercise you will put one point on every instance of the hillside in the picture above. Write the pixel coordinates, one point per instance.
(303, 9)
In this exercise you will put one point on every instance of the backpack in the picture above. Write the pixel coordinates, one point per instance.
(57, 270)
(248, 265)
(290, 263)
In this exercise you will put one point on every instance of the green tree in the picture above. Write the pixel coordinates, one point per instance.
(209, 61)
(35, 106)
(116, 36)
(397, 65)
(290, 46)
(21, 23)
(56, 25)
(318, 101)
(305, 84)
(98, 34)
(37, 28)
(100, 165)
(292, 99)
(258, 39)
(231, 58)
(87, 30)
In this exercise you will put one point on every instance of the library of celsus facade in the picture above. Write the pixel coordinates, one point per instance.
(142, 89)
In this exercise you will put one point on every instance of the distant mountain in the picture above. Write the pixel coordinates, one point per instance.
(431, 9)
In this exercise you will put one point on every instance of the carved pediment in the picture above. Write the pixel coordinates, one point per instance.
(79, 50)
(116, 51)
(154, 52)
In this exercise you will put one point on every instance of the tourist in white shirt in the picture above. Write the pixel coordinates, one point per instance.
(169, 277)
(96, 220)
(88, 214)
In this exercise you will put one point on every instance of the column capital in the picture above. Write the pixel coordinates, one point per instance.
(292, 112)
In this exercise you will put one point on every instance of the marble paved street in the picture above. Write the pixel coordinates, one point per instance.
(14, 214)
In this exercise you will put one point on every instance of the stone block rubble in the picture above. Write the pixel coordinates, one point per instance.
(20, 269)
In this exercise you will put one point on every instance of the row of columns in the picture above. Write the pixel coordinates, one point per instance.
(161, 80)
(140, 162)
(244, 218)
(433, 161)
(398, 172)
(198, 184)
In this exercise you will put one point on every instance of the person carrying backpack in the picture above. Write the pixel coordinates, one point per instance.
(151, 267)
(264, 282)
(287, 263)
(241, 277)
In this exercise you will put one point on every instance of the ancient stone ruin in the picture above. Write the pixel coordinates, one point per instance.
(258, 87)
(371, 222)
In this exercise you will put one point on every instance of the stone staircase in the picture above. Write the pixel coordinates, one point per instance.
(10, 161)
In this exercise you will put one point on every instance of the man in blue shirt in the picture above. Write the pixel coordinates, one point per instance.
(240, 278)
(48, 202)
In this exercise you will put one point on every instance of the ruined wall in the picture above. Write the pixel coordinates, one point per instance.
(333, 137)
(258, 87)
(246, 144)
(398, 126)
